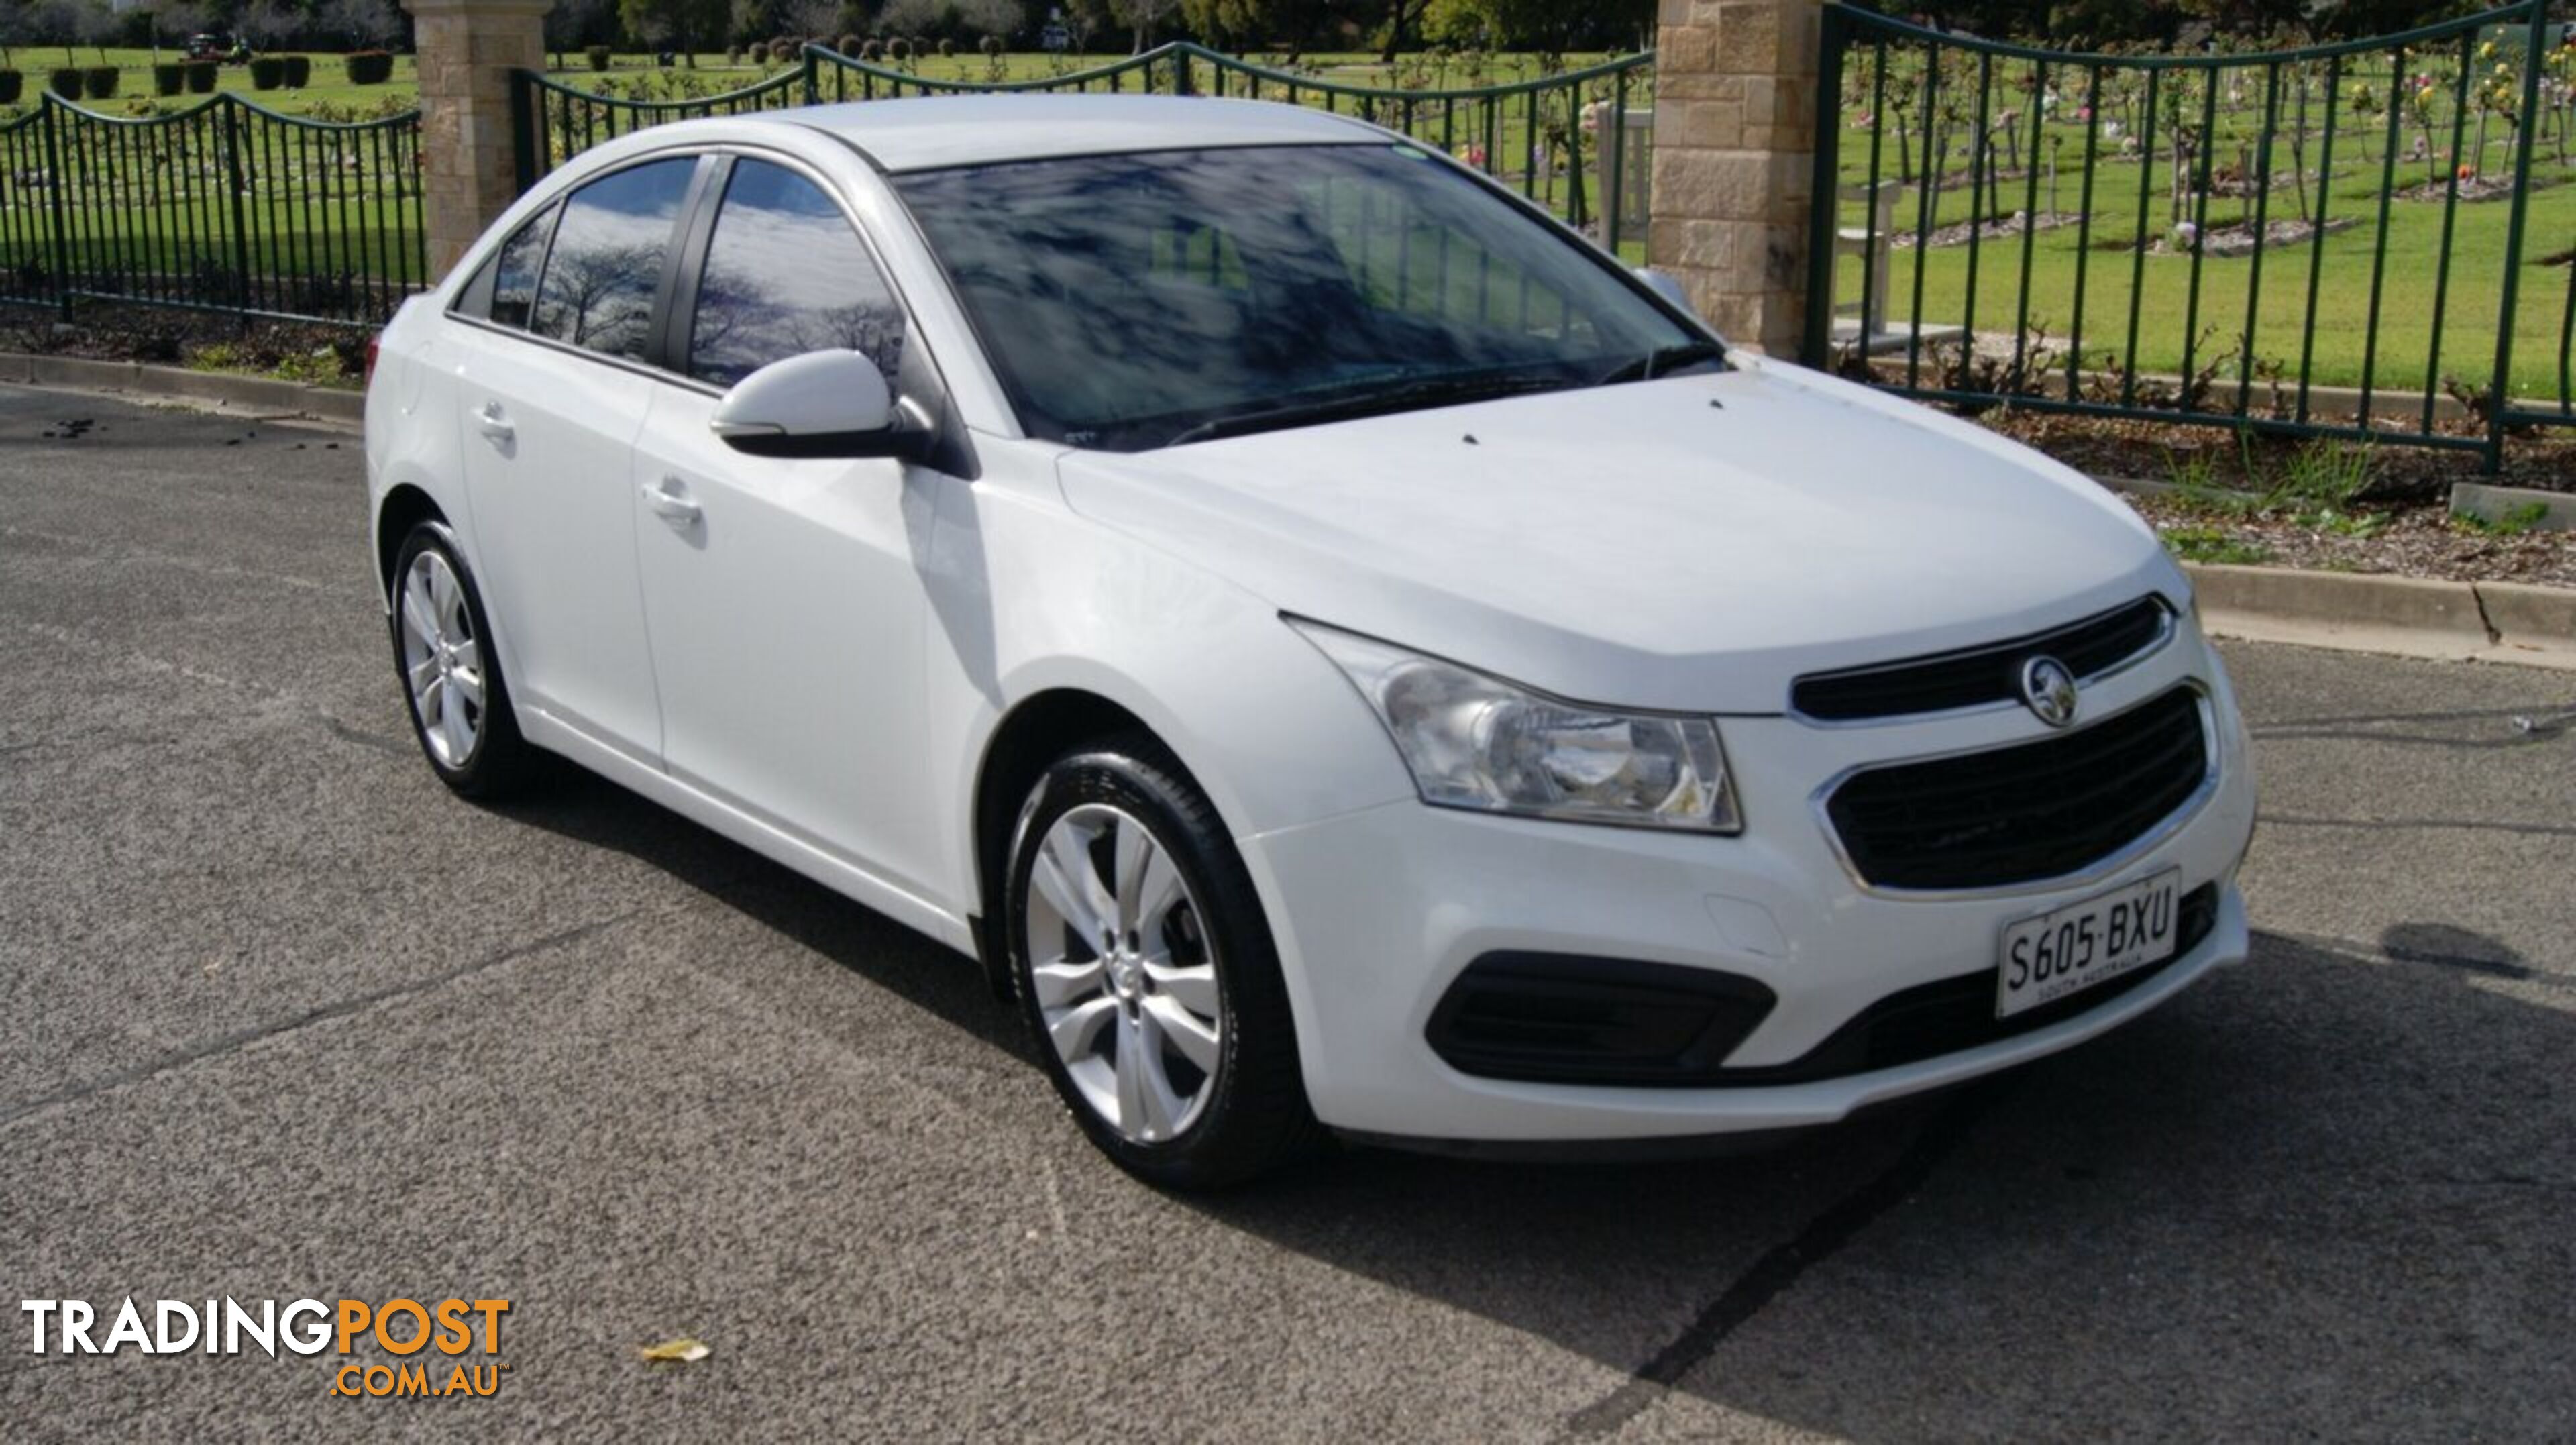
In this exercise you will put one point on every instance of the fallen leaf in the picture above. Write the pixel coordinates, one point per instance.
(682, 1351)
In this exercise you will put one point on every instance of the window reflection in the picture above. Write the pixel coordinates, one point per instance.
(1128, 298)
(514, 270)
(786, 275)
(607, 259)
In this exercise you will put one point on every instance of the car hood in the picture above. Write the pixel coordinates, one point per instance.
(1692, 543)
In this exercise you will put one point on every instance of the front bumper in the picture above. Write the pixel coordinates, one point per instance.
(1377, 912)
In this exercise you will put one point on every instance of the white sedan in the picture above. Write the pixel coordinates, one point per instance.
(1344, 653)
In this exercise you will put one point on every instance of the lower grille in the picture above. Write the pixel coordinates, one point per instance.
(1557, 1018)
(2021, 814)
(1951, 1014)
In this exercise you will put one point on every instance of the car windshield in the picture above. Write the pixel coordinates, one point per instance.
(1138, 301)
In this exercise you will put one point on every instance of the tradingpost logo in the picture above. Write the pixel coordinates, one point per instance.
(461, 1338)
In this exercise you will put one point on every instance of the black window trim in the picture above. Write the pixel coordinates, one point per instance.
(922, 381)
(693, 228)
(680, 232)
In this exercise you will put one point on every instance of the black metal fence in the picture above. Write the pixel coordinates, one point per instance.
(2343, 240)
(1575, 142)
(225, 206)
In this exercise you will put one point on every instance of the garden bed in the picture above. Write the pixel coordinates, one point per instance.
(1956, 234)
(2320, 504)
(2227, 241)
(316, 354)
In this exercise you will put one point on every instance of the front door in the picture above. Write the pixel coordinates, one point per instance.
(784, 597)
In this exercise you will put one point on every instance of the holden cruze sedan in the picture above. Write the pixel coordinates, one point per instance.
(1344, 653)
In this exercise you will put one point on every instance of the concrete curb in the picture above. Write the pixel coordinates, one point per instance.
(260, 395)
(2545, 511)
(2402, 616)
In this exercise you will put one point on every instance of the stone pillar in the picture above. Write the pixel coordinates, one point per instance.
(467, 49)
(1735, 121)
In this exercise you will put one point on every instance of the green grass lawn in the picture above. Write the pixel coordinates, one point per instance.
(2123, 291)
(2157, 295)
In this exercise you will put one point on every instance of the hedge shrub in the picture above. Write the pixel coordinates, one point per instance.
(299, 71)
(169, 78)
(65, 81)
(267, 72)
(782, 50)
(597, 55)
(13, 84)
(201, 77)
(369, 67)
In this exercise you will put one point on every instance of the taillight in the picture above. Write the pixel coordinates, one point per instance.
(369, 377)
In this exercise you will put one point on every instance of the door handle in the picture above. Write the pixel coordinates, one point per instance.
(494, 423)
(669, 499)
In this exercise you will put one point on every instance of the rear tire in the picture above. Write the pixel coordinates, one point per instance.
(450, 672)
(1147, 975)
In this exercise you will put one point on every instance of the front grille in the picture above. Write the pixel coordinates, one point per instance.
(1951, 1014)
(1977, 676)
(2020, 814)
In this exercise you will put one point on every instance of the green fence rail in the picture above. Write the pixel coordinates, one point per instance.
(1569, 142)
(225, 206)
(2331, 241)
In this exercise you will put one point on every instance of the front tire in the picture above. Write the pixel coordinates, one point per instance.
(1147, 975)
(450, 672)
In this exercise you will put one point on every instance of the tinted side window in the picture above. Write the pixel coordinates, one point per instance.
(785, 275)
(607, 259)
(513, 270)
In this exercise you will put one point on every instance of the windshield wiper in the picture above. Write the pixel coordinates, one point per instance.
(1660, 360)
(1411, 396)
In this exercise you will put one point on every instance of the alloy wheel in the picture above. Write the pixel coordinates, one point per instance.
(1125, 980)
(442, 659)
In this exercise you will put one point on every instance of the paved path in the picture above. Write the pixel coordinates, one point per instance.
(284, 1019)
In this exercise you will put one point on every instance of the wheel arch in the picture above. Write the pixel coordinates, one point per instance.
(1029, 738)
(404, 507)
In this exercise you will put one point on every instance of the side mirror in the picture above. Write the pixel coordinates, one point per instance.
(1668, 286)
(820, 404)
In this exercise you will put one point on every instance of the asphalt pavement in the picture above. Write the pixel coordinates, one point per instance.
(279, 1018)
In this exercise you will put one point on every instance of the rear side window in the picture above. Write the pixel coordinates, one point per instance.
(606, 265)
(505, 289)
(786, 275)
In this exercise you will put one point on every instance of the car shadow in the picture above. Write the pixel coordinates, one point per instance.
(2326, 1188)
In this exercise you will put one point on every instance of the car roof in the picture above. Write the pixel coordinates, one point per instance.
(935, 132)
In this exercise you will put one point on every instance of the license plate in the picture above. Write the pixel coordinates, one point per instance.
(2083, 944)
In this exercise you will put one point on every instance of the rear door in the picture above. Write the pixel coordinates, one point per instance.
(784, 597)
(552, 389)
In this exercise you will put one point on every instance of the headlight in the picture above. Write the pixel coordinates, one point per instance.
(1478, 742)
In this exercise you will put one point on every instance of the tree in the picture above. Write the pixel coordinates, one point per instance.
(96, 25)
(913, 17)
(1000, 18)
(365, 24)
(1143, 18)
(809, 18)
(1400, 15)
(674, 24)
(577, 22)
(266, 24)
(1544, 25)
